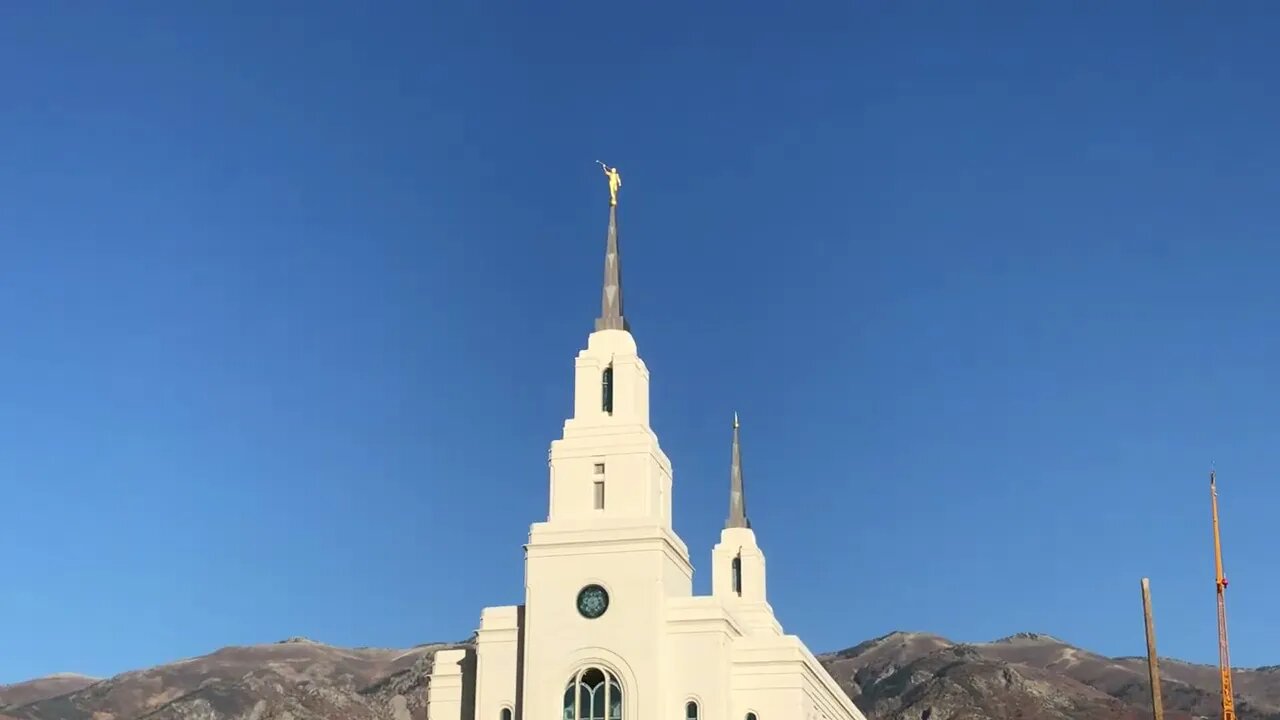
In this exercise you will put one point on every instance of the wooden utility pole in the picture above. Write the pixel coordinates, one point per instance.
(1157, 706)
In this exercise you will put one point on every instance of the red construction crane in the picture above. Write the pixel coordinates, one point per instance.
(1224, 653)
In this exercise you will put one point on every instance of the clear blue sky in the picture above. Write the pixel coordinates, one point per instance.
(289, 301)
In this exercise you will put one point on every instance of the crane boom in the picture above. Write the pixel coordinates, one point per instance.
(1224, 652)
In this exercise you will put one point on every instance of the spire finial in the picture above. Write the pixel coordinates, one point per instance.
(615, 182)
(737, 496)
(611, 317)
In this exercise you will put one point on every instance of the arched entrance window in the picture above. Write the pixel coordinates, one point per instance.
(593, 694)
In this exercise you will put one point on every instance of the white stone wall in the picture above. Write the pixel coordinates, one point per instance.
(444, 689)
(497, 662)
(725, 651)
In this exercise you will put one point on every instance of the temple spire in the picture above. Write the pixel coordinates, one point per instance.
(737, 496)
(611, 317)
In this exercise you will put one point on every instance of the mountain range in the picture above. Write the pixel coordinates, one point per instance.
(900, 676)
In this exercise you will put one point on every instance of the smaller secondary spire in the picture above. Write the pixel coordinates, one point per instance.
(737, 497)
(611, 317)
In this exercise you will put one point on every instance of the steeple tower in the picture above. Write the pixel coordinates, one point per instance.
(607, 469)
(737, 563)
(737, 496)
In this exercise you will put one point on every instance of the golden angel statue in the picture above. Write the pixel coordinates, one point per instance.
(615, 182)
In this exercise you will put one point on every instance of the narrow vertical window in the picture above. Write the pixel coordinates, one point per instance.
(506, 714)
(737, 574)
(598, 487)
(691, 710)
(751, 716)
(606, 390)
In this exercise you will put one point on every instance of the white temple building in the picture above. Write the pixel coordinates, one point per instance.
(610, 628)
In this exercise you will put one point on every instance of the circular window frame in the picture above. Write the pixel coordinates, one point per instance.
(577, 599)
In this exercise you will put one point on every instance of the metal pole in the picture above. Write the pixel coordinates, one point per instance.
(1157, 706)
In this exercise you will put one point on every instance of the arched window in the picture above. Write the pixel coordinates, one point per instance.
(737, 574)
(506, 714)
(593, 694)
(751, 716)
(606, 390)
(691, 710)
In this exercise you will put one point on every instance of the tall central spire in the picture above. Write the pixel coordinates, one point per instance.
(611, 317)
(737, 496)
